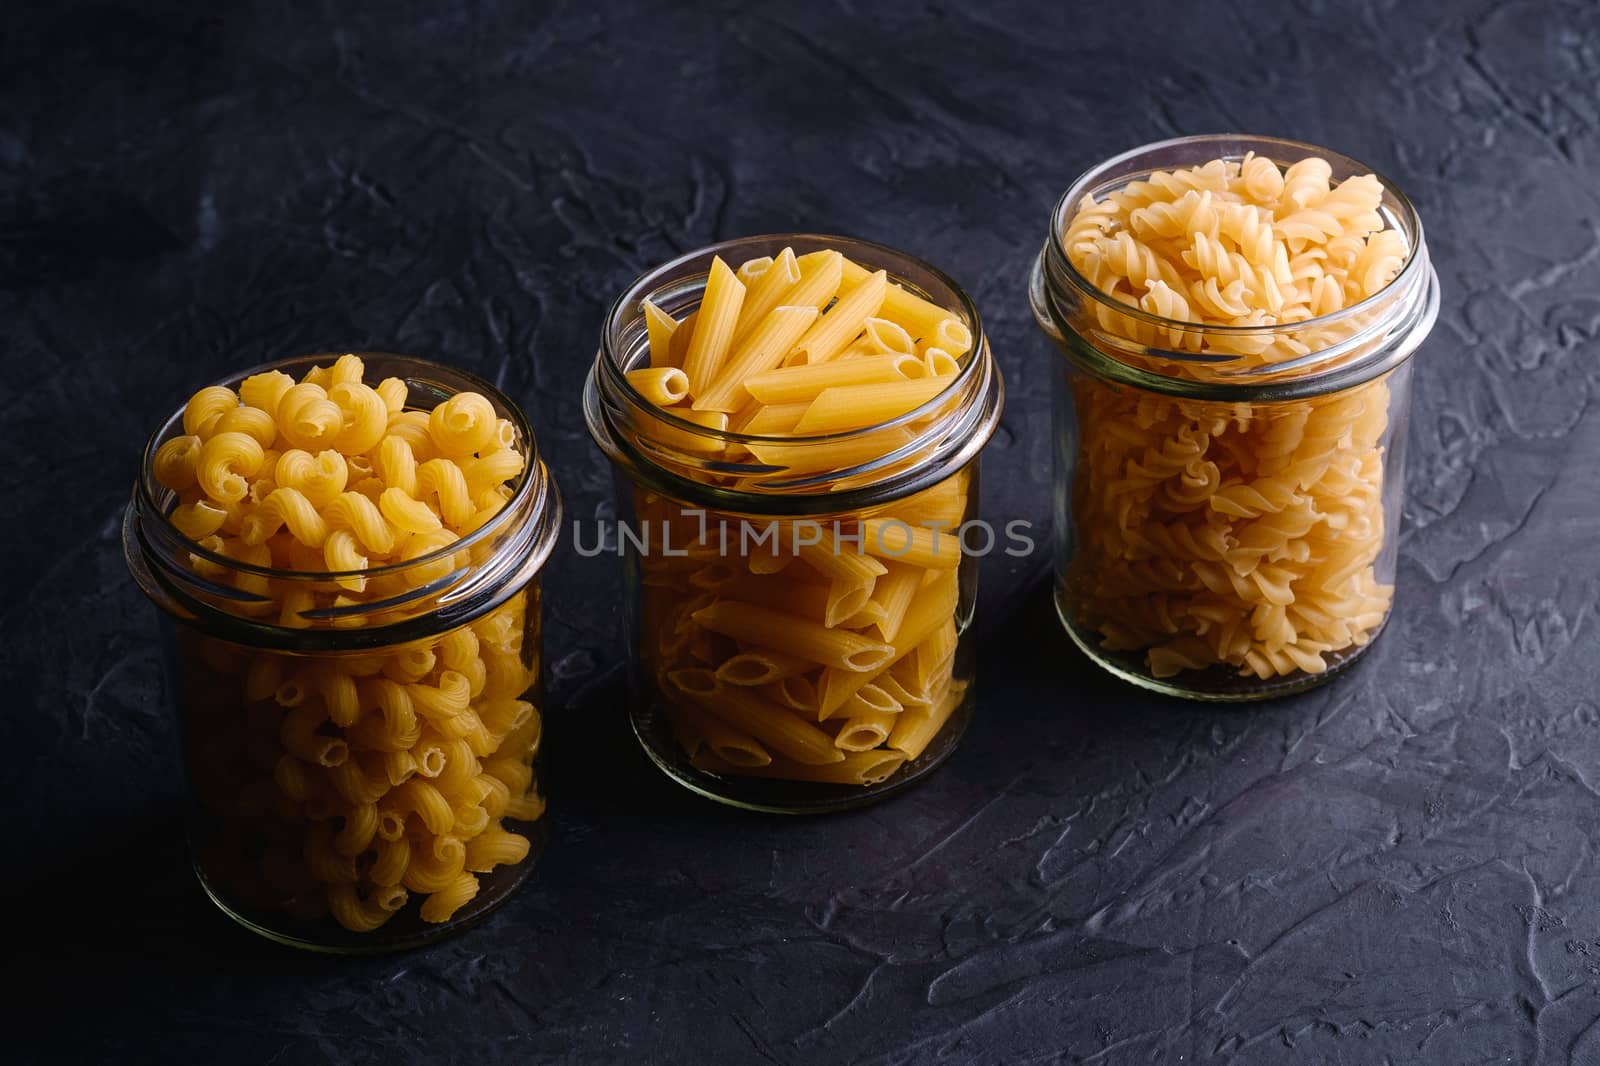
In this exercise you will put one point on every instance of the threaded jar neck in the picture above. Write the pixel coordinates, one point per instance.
(897, 457)
(1124, 343)
(442, 589)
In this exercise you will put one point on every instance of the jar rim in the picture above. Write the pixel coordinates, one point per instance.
(976, 384)
(528, 524)
(533, 470)
(1413, 290)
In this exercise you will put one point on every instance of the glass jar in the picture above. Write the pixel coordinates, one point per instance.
(720, 529)
(1228, 498)
(336, 803)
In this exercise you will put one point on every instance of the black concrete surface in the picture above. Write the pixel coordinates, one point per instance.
(1398, 868)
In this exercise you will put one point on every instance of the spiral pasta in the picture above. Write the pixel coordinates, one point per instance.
(356, 787)
(285, 464)
(1213, 534)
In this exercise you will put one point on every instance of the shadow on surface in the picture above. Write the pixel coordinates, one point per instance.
(123, 900)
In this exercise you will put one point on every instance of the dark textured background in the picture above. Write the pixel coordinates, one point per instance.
(1398, 868)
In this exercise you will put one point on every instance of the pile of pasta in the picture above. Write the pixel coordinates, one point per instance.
(1236, 244)
(329, 474)
(1232, 534)
(339, 784)
(822, 651)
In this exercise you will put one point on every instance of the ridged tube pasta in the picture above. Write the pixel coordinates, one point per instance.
(810, 640)
(713, 333)
(756, 649)
(762, 349)
(766, 292)
(662, 386)
(834, 331)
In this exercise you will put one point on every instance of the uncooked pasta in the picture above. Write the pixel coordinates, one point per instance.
(1239, 535)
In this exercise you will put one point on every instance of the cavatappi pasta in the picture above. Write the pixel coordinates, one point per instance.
(806, 650)
(1234, 534)
(351, 784)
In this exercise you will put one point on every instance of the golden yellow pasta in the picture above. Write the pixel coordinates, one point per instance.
(1224, 534)
(351, 785)
(749, 632)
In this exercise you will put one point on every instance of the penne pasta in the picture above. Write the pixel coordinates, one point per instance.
(689, 441)
(713, 327)
(933, 604)
(775, 727)
(662, 386)
(940, 363)
(768, 290)
(890, 538)
(804, 384)
(859, 406)
(768, 420)
(864, 730)
(800, 458)
(797, 693)
(678, 346)
(752, 668)
(724, 741)
(831, 333)
(884, 336)
(795, 655)
(920, 317)
(830, 558)
(760, 351)
(915, 727)
(813, 641)
(934, 654)
(857, 768)
(751, 269)
(830, 603)
(893, 593)
(660, 328)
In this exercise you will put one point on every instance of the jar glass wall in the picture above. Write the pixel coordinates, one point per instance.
(798, 609)
(362, 748)
(1227, 497)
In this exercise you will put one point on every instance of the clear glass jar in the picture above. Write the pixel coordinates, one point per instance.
(328, 805)
(1226, 527)
(703, 521)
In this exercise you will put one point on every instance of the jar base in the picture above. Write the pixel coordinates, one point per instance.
(327, 937)
(1219, 684)
(790, 797)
